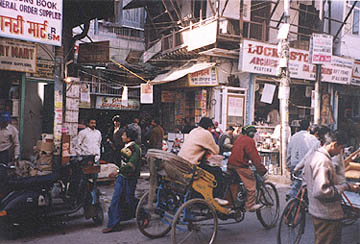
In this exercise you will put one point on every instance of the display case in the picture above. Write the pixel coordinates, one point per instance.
(268, 145)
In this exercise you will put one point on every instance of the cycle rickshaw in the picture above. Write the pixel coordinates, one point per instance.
(180, 200)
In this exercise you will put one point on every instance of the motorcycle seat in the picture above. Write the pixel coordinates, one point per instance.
(33, 181)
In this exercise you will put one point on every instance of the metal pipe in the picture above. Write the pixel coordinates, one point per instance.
(22, 112)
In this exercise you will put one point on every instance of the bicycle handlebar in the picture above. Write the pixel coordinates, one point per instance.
(293, 175)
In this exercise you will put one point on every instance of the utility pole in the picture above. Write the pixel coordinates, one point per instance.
(284, 90)
(317, 97)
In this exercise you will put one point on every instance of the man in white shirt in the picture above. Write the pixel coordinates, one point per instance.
(88, 141)
(300, 144)
(9, 139)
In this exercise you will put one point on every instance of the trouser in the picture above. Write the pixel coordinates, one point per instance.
(249, 180)
(220, 181)
(123, 202)
(5, 157)
(327, 231)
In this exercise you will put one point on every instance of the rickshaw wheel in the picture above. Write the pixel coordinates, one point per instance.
(268, 196)
(195, 222)
(152, 223)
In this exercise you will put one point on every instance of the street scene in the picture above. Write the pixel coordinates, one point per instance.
(179, 121)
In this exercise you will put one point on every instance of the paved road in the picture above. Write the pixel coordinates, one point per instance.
(80, 231)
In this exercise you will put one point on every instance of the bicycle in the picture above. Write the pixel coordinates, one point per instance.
(185, 205)
(292, 220)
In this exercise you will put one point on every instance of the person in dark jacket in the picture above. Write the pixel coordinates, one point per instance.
(226, 140)
(156, 135)
(123, 202)
(242, 152)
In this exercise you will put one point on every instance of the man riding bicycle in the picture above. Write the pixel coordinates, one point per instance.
(243, 151)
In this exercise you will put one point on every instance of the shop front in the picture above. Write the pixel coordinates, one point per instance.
(261, 60)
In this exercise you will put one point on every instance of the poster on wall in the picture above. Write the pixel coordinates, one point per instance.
(32, 20)
(146, 91)
(235, 106)
(17, 55)
(85, 101)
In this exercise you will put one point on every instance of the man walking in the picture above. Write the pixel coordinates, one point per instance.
(324, 190)
(9, 139)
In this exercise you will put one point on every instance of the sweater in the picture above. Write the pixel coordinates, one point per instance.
(196, 144)
(323, 187)
(243, 151)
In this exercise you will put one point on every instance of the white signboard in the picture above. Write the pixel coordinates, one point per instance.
(321, 48)
(356, 74)
(263, 58)
(206, 77)
(17, 55)
(146, 93)
(339, 71)
(235, 106)
(115, 103)
(32, 20)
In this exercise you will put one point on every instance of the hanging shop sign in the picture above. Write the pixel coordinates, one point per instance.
(356, 74)
(115, 103)
(94, 52)
(339, 71)
(263, 58)
(206, 77)
(32, 20)
(17, 56)
(321, 48)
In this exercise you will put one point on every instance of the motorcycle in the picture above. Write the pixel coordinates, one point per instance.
(36, 199)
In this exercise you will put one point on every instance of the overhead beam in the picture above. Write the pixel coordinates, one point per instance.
(225, 5)
(178, 13)
(211, 7)
(168, 12)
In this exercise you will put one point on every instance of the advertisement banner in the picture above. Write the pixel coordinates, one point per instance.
(32, 20)
(263, 58)
(206, 77)
(44, 69)
(17, 56)
(321, 48)
(115, 103)
(356, 74)
(339, 71)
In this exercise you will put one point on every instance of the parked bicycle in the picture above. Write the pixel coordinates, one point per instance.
(292, 221)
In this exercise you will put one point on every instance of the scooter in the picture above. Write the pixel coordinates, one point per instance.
(37, 199)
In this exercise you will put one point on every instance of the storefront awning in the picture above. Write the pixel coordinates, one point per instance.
(175, 74)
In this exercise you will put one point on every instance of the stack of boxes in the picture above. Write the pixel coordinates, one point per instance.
(44, 154)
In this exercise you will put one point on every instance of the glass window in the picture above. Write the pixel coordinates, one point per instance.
(355, 26)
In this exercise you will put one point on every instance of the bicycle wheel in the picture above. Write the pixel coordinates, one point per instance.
(268, 196)
(153, 223)
(292, 223)
(195, 222)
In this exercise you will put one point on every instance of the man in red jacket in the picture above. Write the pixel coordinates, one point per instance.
(243, 151)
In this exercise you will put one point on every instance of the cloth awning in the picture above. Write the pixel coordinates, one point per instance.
(175, 74)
